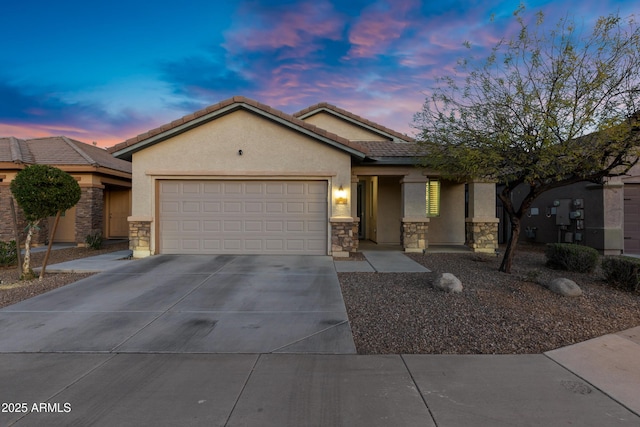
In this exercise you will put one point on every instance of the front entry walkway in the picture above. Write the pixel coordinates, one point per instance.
(381, 262)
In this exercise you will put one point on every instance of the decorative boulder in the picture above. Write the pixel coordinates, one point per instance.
(564, 287)
(447, 282)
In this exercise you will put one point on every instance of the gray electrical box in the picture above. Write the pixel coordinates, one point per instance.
(563, 211)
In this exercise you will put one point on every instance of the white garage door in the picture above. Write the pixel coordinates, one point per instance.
(632, 218)
(243, 217)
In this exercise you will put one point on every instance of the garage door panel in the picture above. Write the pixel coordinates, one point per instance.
(231, 226)
(273, 207)
(243, 217)
(317, 188)
(253, 245)
(274, 226)
(254, 188)
(316, 245)
(293, 226)
(190, 188)
(211, 207)
(211, 245)
(232, 245)
(296, 189)
(232, 207)
(253, 226)
(212, 187)
(274, 244)
(315, 226)
(253, 207)
(295, 207)
(231, 188)
(170, 207)
(191, 207)
(317, 207)
(190, 226)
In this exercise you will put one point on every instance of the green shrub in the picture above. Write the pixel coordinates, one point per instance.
(94, 240)
(8, 253)
(567, 256)
(622, 272)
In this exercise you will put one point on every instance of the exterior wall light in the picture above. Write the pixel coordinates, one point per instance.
(341, 196)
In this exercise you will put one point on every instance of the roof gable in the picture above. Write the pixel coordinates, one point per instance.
(354, 119)
(126, 149)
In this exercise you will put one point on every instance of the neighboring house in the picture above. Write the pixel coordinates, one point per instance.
(242, 177)
(603, 216)
(105, 183)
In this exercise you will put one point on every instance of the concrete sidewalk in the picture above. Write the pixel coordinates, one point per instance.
(167, 389)
(93, 264)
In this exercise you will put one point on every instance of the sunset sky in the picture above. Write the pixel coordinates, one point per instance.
(106, 71)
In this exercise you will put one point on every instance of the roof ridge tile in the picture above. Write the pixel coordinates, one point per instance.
(79, 151)
(348, 114)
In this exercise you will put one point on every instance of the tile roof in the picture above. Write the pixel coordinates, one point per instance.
(326, 106)
(391, 149)
(58, 150)
(240, 102)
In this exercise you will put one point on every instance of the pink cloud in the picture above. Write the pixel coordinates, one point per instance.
(295, 26)
(379, 26)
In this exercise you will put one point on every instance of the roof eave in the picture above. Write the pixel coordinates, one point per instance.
(392, 160)
(126, 152)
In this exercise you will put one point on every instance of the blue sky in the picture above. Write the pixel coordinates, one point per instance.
(106, 71)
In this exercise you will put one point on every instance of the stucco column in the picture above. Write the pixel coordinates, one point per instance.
(354, 196)
(481, 224)
(415, 224)
(613, 216)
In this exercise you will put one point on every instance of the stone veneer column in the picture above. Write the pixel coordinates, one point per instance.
(481, 227)
(481, 235)
(415, 224)
(140, 237)
(414, 236)
(344, 236)
(6, 221)
(89, 213)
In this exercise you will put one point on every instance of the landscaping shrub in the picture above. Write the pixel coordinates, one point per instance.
(567, 256)
(622, 272)
(8, 254)
(94, 240)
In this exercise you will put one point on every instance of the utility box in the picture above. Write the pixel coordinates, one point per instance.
(563, 211)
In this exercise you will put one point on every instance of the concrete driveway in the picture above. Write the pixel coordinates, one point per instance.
(189, 304)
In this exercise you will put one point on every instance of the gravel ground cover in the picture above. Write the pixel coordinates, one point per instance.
(12, 290)
(496, 313)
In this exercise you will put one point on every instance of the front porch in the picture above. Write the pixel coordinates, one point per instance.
(405, 209)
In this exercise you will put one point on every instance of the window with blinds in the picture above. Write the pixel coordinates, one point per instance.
(433, 198)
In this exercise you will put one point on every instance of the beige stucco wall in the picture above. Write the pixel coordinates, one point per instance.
(633, 176)
(270, 151)
(449, 227)
(482, 200)
(343, 128)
